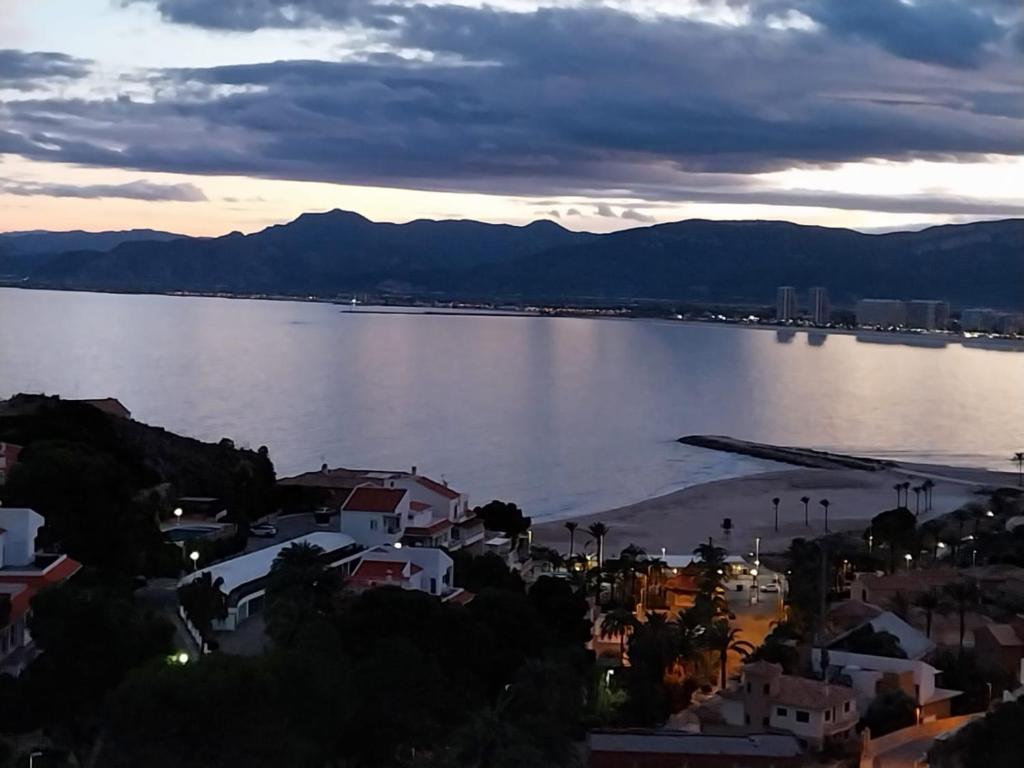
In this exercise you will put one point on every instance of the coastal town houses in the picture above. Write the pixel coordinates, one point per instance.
(817, 713)
(872, 675)
(23, 572)
(420, 568)
(243, 578)
(384, 507)
(9, 453)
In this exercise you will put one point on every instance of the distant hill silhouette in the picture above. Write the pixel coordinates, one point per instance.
(41, 241)
(341, 253)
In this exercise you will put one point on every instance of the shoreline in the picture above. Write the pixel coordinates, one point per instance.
(679, 521)
(923, 339)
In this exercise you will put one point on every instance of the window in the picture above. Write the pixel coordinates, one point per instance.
(828, 715)
(764, 721)
(782, 712)
(748, 688)
(767, 688)
(846, 707)
(746, 719)
(433, 586)
(373, 525)
(803, 717)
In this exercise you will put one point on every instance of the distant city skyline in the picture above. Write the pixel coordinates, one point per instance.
(204, 118)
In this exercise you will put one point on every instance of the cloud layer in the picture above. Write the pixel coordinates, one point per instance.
(574, 99)
(132, 190)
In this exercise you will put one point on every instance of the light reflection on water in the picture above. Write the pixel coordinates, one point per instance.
(560, 415)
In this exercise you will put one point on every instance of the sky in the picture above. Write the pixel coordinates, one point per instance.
(209, 116)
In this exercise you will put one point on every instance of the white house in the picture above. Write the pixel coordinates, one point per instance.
(425, 569)
(244, 577)
(23, 572)
(373, 516)
(411, 509)
(817, 713)
(871, 675)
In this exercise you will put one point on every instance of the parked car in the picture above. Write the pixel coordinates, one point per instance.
(770, 588)
(263, 530)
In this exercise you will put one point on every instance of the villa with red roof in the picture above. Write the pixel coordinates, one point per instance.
(421, 568)
(23, 572)
(412, 509)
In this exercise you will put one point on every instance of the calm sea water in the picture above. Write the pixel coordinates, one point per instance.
(561, 415)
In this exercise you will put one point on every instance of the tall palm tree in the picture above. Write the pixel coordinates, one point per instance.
(825, 504)
(204, 602)
(928, 485)
(618, 623)
(1018, 459)
(963, 595)
(721, 639)
(571, 527)
(906, 493)
(598, 531)
(300, 588)
(900, 604)
(917, 499)
(899, 494)
(807, 518)
(775, 503)
(929, 602)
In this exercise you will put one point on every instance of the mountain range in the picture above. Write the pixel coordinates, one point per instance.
(339, 253)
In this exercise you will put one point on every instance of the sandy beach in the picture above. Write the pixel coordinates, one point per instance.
(681, 520)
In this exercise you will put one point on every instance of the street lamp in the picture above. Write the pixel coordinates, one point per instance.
(908, 557)
(182, 658)
(178, 512)
(397, 545)
(33, 755)
(194, 557)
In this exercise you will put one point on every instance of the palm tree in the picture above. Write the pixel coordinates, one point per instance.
(721, 639)
(598, 531)
(807, 521)
(906, 493)
(571, 528)
(775, 503)
(1018, 459)
(928, 485)
(204, 602)
(825, 504)
(917, 499)
(618, 623)
(300, 588)
(929, 602)
(899, 494)
(963, 595)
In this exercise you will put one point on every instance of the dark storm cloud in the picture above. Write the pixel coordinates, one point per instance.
(133, 190)
(588, 101)
(27, 70)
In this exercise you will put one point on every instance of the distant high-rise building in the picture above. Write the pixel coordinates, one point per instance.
(884, 313)
(986, 320)
(818, 307)
(927, 315)
(785, 303)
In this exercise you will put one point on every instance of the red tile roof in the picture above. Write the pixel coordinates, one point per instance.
(435, 527)
(32, 583)
(418, 506)
(810, 694)
(436, 487)
(365, 499)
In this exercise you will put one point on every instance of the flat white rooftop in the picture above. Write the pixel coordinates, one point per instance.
(255, 565)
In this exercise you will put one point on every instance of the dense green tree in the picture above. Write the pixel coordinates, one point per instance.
(300, 589)
(889, 711)
(867, 641)
(562, 609)
(503, 516)
(487, 571)
(894, 529)
(994, 741)
(930, 602)
(204, 602)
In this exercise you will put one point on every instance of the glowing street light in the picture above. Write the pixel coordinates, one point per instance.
(182, 658)
(397, 545)
(908, 557)
(178, 512)
(194, 557)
